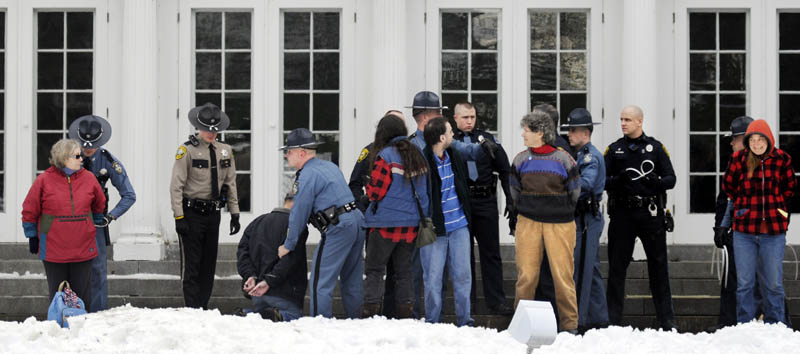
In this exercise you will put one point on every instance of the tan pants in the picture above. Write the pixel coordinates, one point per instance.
(531, 239)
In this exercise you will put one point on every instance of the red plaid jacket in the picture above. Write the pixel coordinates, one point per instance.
(760, 201)
(381, 179)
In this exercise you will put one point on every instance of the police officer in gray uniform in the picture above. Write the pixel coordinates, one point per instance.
(92, 132)
(591, 294)
(323, 199)
(203, 181)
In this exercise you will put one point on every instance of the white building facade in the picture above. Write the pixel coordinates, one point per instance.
(335, 66)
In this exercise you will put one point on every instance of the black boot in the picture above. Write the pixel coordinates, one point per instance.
(404, 310)
(669, 325)
(369, 310)
(271, 313)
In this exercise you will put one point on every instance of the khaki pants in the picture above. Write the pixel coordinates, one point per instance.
(531, 239)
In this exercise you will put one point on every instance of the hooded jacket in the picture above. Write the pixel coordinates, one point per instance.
(760, 201)
(59, 210)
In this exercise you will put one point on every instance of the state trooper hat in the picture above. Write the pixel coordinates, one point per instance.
(90, 131)
(209, 117)
(300, 138)
(579, 117)
(426, 100)
(739, 126)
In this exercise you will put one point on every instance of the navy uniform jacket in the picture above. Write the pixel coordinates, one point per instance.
(564, 145)
(628, 153)
(317, 186)
(105, 166)
(485, 165)
(593, 171)
(469, 152)
(357, 177)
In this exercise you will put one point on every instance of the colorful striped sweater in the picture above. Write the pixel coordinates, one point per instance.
(545, 184)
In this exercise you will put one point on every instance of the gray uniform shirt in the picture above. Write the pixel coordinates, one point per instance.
(191, 175)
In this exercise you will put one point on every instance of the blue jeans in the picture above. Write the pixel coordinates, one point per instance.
(99, 274)
(287, 308)
(451, 250)
(762, 256)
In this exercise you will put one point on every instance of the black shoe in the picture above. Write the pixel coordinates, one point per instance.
(271, 313)
(669, 325)
(501, 310)
(239, 312)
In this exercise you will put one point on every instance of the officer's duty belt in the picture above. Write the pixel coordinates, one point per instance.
(482, 191)
(588, 205)
(202, 206)
(635, 201)
(330, 216)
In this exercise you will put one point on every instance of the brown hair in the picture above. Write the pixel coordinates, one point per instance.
(752, 162)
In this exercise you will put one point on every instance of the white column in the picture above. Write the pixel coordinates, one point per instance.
(388, 53)
(640, 58)
(140, 236)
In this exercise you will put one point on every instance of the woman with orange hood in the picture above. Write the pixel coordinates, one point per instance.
(760, 181)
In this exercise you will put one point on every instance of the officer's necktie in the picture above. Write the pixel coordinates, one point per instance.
(471, 167)
(214, 182)
(87, 163)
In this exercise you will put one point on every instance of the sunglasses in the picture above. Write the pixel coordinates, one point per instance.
(78, 157)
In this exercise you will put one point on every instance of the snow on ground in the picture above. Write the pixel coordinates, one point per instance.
(128, 329)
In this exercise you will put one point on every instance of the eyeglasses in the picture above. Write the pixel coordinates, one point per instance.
(78, 157)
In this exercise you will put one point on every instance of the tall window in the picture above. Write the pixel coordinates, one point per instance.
(559, 54)
(310, 89)
(469, 64)
(717, 95)
(2, 109)
(789, 87)
(64, 75)
(223, 57)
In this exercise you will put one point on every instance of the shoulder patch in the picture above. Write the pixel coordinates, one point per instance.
(560, 148)
(181, 153)
(665, 150)
(606, 152)
(117, 167)
(587, 158)
(363, 154)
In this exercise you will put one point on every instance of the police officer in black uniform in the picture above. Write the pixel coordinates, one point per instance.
(638, 174)
(482, 182)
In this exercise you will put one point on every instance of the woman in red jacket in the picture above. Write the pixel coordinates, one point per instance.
(760, 181)
(58, 217)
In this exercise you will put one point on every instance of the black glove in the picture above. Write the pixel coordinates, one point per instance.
(488, 145)
(181, 226)
(509, 211)
(33, 245)
(235, 224)
(727, 239)
(650, 180)
(512, 223)
(107, 219)
(720, 235)
(363, 202)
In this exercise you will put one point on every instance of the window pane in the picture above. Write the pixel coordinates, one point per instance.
(326, 111)
(237, 71)
(295, 111)
(791, 144)
(570, 101)
(243, 190)
(449, 100)
(79, 71)
(326, 30)
(702, 113)
(50, 70)
(237, 30)
(2, 69)
(208, 30)
(732, 28)
(50, 30)
(2, 163)
(454, 71)
(208, 71)
(237, 106)
(80, 27)
(486, 110)
(484, 30)
(543, 71)
(2, 30)
(702, 72)
(543, 30)
(484, 71)
(573, 71)
(789, 115)
(43, 144)
(573, 30)
(789, 72)
(326, 71)
(732, 72)
(329, 150)
(543, 98)
(296, 71)
(702, 31)
(203, 98)
(454, 30)
(703, 190)
(240, 143)
(725, 152)
(788, 24)
(704, 150)
(296, 30)
(49, 110)
(730, 107)
(2, 110)
(78, 105)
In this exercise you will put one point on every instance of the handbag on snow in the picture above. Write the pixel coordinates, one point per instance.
(65, 304)
(426, 234)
